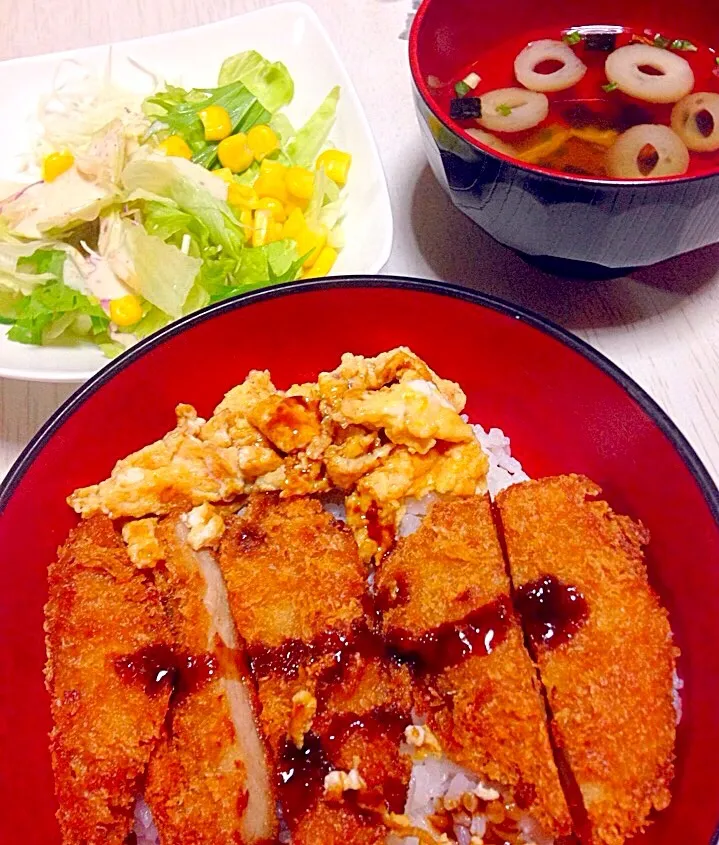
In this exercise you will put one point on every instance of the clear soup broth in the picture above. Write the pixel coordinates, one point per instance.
(584, 121)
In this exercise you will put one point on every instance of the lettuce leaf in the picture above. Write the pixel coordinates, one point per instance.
(163, 274)
(53, 310)
(176, 112)
(43, 261)
(307, 144)
(152, 320)
(269, 82)
(24, 266)
(164, 179)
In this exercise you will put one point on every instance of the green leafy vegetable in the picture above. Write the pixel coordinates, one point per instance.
(24, 266)
(177, 111)
(661, 41)
(269, 82)
(8, 305)
(681, 44)
(163, 274)
(54, 309)
(572, 37)
(504, 109)
(42, 261)
(610, 86)
(152, 320)
(461, 88)
(307, 144)
(165, 180)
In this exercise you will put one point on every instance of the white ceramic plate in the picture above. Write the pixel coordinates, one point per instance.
(291, 33)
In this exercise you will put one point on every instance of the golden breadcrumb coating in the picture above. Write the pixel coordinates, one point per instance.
(100, 608)
(610, 687)
(210, 781)
(486, 710)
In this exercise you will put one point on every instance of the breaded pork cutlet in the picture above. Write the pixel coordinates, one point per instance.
(295, 584)
(603, 645)
(365, 710)
(297, 588)
(101, 612)
(445, 598)
(209, 781)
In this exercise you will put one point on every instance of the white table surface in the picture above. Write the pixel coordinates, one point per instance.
(661, 325)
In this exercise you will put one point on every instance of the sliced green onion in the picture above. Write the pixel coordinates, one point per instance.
(504, 109)
(610, 86)
(661, 41)
(461, 88)
(572, 37)
(681, 44)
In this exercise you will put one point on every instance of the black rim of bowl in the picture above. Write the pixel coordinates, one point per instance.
(646, 403)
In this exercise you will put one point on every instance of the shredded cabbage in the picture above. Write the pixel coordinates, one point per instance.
(82, 103)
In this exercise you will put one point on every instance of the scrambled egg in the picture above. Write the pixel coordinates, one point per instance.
(381, 430)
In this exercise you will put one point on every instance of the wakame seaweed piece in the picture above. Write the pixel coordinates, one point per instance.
(465, 108)
(605, 42)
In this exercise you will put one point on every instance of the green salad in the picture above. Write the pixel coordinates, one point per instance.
(149, 209)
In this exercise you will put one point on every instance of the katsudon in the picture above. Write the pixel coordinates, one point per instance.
(330, 614)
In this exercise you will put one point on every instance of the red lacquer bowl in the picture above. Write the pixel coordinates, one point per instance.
(577, 226)
(566, 408)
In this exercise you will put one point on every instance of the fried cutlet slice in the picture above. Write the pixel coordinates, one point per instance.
(360, 728)
(101, 610)
(445, 586)
(210, 781)
(610, 686)
(297, 588)
(295, 585)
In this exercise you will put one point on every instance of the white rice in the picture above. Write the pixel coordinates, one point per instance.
(435, 778)
(504, 470)
(145, 829)
(678, 684)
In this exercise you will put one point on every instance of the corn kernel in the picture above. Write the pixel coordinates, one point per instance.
(224, 173)
(336, 164)
(293, 203)
(174, 145)
(300, 182)
(275, 207)
(242, 196)
(125, 310)
(263, 218)
(271, 184)
(56, 164)
(310, 243)
(246, 221)
(322, 266)
(295, 224)
(216, 121)
(234, 153)
(268, 165)
(262, 140)
(274, 231)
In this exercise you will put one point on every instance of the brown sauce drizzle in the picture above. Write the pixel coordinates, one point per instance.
(293, 423)
(157, 667)
(478, 633)
(287, 658)
(300, 776)
(301, 771)
(552, 612)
